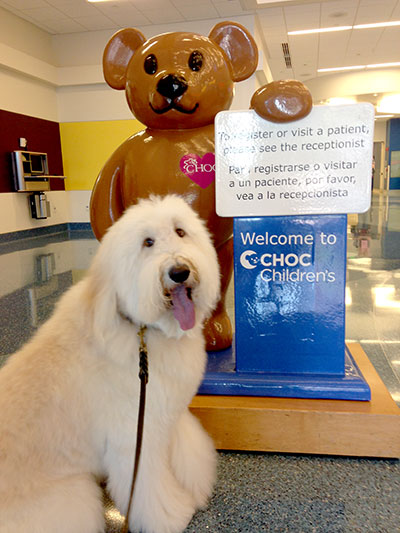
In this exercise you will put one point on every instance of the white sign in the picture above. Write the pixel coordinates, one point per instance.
(317, 165)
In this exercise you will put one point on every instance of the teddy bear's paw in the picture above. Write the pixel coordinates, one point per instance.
(282, 101)
(218, 332)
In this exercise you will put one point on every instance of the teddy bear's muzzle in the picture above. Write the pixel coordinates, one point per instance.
(169, 92)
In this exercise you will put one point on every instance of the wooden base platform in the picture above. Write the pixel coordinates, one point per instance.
(287, 425)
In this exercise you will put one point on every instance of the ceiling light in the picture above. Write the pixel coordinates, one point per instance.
(344, 28)
(377, 25)
(271, 1)
(382, 65)
(360, 67)
(355, 67)
(320, 30)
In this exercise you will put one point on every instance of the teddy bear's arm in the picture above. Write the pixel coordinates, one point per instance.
(282, 101)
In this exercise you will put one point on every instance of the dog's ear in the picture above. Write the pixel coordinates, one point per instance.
(239, 46)
(117, 54)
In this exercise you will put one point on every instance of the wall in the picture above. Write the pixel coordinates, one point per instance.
(27, 68)
(25, 37)
(380, 131)
(26, 95)
(27, 87)
(59, 78)
(15, 211)
(354, 83)
(42, 136)
(86, 146)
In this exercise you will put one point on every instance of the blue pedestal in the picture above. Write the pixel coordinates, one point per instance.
(222, 378)
(289, 312)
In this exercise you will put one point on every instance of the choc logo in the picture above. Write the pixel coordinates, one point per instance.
(250, 260)
(201, 170)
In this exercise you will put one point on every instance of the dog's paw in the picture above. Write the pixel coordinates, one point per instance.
(202, 491)
(201, 485)
(171, 515)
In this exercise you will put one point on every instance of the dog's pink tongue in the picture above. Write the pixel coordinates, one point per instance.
(183, 307)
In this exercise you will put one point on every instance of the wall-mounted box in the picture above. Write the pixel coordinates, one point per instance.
(40, 207)
(31, 171)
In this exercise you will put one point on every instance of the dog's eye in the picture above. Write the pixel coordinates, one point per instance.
(196, 60)
(148, 242)
(150, 64)
(181, 232)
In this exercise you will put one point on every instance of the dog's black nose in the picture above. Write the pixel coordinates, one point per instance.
(172, 86)
(179, 273)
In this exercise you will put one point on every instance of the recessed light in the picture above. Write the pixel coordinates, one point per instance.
(377, 25)
(383, 65)
(332, 69)
(360, 67)
(344, 28)
(320, 30)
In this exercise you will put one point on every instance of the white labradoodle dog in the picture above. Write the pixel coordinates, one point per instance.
(69, 398)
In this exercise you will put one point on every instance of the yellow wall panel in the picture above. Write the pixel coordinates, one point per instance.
(86, 146)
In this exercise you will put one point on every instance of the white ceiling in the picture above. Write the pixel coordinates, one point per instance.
(308, 52)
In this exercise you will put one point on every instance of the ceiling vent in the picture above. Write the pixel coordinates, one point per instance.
(286, 55)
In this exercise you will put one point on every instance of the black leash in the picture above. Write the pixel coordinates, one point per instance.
(144, 378)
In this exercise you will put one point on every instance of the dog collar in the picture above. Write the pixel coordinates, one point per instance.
(143, 365)
(126, 317)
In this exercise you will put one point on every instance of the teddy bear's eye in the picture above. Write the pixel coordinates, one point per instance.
(181, 232)
(150, 64)
(196, 60)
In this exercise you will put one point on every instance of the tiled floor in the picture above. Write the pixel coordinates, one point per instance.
(259, 492)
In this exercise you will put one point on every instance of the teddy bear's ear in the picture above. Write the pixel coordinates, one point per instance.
(117, 54)
(239, 46)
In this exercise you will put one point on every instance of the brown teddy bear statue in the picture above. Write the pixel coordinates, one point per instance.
(175, 84)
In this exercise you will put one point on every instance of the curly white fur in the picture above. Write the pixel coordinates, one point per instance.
(69, 398)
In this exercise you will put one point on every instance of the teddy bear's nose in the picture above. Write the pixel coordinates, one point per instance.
(172, 86)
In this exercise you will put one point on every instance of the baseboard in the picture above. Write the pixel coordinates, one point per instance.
(44, 231)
